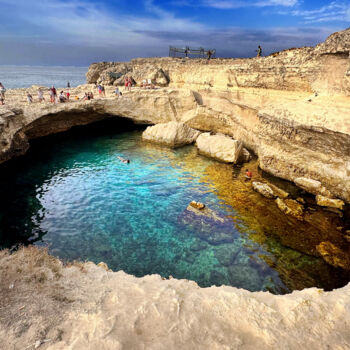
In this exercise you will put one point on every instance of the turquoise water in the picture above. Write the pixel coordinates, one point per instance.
(73, 195)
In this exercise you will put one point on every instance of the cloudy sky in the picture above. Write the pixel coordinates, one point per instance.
(78, 32)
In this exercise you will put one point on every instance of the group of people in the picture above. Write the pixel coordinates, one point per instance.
(128, 83)
(88, 96)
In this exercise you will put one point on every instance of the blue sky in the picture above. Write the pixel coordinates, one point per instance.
(78, 32)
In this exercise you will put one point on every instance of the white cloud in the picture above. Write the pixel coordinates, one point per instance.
(234, 4)
(337, 11)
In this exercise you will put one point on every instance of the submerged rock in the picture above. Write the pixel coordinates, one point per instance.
(208, 225)
(291, 207)
(173, 134)
(219, 147)
(263, 189)
(328, 202)
(334, 255)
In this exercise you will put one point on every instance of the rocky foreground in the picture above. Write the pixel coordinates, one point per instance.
(46, 305)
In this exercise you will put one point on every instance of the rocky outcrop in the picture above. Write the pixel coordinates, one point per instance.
(268, 104)
(220, 147)
(172, 134)
(83, 306)
(328, 202)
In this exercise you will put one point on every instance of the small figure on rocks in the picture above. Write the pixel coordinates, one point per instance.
(117, 92)
(259, 51)
(40, 95)
(209, 54)
(62, 98)
(248, 174)
(29, 98)
(68, 84)
(53, 94)
(2, 94)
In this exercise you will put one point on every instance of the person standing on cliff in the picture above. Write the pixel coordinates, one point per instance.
(259, 51)
(68, 85)
(2, 94)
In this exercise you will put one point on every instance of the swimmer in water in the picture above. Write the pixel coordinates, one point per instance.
(123, 160)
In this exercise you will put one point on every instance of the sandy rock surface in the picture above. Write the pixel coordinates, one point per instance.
(173, 134)
(83, 306)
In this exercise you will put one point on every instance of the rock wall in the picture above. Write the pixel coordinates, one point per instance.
(291, 108)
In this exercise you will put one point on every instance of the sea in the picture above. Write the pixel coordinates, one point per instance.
(13, 77)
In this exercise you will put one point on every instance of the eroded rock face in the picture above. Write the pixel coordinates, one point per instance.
(172, 134)
(219, 147)
(264, 103)
(328, 202)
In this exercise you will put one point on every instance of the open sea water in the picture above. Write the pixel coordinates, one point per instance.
(13, 77)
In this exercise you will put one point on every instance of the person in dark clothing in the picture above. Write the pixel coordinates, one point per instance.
(68, 85)
(209, 54)
(259, 51)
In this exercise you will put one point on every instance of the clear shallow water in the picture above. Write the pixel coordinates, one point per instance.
(74, 195)
(14, 77)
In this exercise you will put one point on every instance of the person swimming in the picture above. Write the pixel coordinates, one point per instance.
(124, 160)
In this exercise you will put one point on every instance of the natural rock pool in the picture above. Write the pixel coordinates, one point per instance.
(72, 194)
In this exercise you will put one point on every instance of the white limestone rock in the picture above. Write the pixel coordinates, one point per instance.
(263, 189)
(220, 147)
(172, 134)
(312, 186)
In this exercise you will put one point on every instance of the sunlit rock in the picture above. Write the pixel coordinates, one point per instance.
(328, 202)
(173, 134)
(219, 147)
(312, 186)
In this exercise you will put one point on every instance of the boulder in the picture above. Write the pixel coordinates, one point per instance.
(263, 189)
(291, 207)
(313, 186)
(244, 156)
(219, 147)
(334, 255)
(172, 134)
(328, 202)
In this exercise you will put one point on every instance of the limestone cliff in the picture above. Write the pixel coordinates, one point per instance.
(291, 108)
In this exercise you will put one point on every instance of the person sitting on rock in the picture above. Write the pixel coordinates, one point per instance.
(62, 98)
(91, 95)
(248, 174)
(117, 92)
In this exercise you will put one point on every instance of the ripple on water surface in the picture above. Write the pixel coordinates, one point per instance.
(76, 197)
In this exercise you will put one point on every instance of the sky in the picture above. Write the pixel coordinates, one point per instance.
(79, 32)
